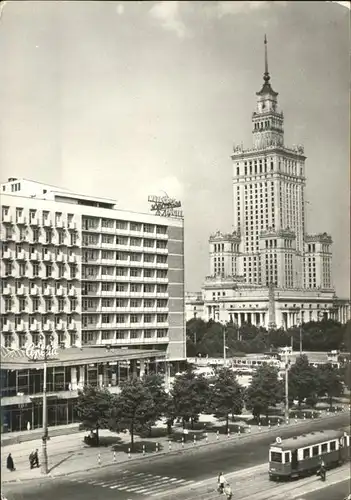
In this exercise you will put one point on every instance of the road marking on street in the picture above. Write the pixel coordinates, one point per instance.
(140, 483)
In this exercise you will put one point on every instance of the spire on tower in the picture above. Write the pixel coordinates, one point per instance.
(266, 89)
(266, 74)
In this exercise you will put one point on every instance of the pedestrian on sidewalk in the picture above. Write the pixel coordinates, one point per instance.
(9, 463)
(34, 459)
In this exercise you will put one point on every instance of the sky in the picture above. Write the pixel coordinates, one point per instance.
(127, 99)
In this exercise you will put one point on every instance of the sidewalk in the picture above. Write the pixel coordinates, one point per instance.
(68, 455)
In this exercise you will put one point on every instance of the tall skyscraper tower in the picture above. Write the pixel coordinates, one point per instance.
(268, 189)
(268, 271)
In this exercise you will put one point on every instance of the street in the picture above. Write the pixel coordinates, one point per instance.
(178, 477)
(335, 492)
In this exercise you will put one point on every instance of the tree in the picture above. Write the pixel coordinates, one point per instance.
(345, 372)
(93, 408)
(226, 395)
(329, 382)
(190, 396)
(169, 413)
(195, 331)
(154, 383)
(133, 409)
(303, 380)
(265, 391)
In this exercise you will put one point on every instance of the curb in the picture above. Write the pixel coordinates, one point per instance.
(156, 455)
(35, 435)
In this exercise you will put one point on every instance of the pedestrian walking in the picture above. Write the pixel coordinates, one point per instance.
(9, 463)
(34, 459)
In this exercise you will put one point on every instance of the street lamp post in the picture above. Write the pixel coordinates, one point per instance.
(224, 347)
(44, 461)
(43, 351)
(286, 350)
(47, 352)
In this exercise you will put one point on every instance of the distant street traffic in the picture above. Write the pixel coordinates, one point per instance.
(174, 477)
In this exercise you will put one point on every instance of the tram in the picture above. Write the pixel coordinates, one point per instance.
(302, 455)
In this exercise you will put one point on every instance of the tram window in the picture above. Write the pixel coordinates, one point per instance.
(287, 457)
(276, 457)
(315, 451)
(332, 445)
(306, 453)
(324, 448)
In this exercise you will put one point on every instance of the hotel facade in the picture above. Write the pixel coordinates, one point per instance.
(106, 286)
(269, 271)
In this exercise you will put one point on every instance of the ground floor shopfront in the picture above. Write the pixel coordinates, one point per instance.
(22, 382)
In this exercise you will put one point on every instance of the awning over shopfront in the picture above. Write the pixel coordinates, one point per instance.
(16, 359)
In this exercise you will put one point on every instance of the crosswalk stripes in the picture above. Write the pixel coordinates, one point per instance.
(141, 483)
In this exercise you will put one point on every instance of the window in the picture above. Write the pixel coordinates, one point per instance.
(315, 451)
(161, 318)
(135, 242)
(135, 226)
(287, 457)
(306, 453)
(121, 224)
(161, 333)
(276, 456)
(332, 445)
(161, 229)
(324, 448)
(149, 243)
(35, 269)
(148, 228)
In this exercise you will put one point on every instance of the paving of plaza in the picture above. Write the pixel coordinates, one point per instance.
(183, 475)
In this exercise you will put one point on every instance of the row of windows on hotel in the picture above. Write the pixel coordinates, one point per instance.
(92, 337)
(36, 320)
(23, 339)
(88, 223)
(22, 304)
(34, 252)
(89, 288)
(133, 272)
(49, 233)
(94, 224)
(60, 270)
(123, 256)
(42, 236)
(61, 304)
(110, 239)
(20, 288)
(118, 302)
(35, 216)
(88, 320)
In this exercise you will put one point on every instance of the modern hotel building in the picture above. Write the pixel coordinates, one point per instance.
(106, 285)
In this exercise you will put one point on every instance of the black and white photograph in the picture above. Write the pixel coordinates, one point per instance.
(175, 250)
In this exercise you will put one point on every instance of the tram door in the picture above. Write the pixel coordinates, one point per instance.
(294, 461)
